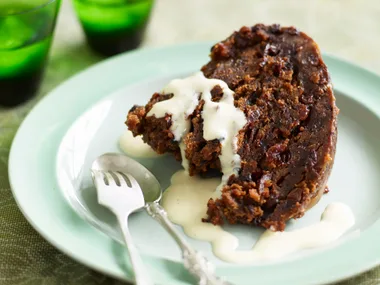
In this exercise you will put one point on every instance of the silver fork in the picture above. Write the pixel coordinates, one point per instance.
(122, 199)
(122, 194)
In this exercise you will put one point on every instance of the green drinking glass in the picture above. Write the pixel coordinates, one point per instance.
(113, 26)
(26, 28)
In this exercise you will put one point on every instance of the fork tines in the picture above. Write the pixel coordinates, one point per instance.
(117, 178)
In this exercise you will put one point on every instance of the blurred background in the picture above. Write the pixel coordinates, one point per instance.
(346, 28)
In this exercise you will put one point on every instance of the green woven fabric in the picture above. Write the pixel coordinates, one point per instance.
(25, 257)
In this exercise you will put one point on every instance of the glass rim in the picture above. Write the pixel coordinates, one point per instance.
(39, 6)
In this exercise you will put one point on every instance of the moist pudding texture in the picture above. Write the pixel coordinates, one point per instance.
(287, 146)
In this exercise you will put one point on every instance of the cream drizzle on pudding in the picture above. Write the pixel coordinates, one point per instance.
(221, 120)
(186, 204)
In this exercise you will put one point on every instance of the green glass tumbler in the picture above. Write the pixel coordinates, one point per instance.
(113, 26)
(26, 28)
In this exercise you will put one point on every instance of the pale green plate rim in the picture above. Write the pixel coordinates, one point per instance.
(30, 169)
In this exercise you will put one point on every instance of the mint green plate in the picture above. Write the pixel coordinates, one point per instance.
(84, 117)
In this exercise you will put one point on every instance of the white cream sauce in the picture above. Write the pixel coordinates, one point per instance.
(186, 203)
(221, 120)
(135, 146)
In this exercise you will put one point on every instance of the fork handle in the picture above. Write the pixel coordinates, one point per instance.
(194, 261)
(140, 272)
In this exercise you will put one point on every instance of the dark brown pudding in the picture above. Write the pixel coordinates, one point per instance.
(287, 147)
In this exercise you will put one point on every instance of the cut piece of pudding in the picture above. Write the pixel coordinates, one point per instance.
(281, 155)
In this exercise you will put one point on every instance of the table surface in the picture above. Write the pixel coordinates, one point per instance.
(347, 28)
